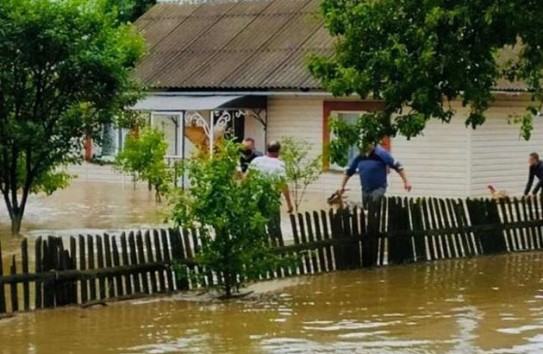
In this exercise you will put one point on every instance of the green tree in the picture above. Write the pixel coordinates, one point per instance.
(301, 169)
(130, 10)
(232, 215)
(143, 157)
(417, 56)
(65, 68)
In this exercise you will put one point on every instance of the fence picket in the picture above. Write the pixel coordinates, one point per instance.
(100, 265)
(119, 291)
(159, 259)
(109, 263)
(2, 294)
(82, 266)
(128, 285)
(26, 285)
(133, 261)
(14, 294)
(150, 259)
(141, 260)
(318, 237)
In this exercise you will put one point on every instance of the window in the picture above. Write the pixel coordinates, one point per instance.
(349, 118)
(349, 110)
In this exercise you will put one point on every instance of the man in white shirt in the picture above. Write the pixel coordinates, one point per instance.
(270, 165)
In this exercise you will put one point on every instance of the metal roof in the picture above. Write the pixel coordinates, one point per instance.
(249, 45)
(168, 102)
(237, 45)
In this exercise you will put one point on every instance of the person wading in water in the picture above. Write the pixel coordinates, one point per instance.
(371, 165)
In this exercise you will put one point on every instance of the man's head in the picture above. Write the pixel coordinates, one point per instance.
(248, 146)
(533, 159)
(273, 148)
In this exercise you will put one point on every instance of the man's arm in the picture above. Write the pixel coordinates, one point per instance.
(537, 188)
(395, 165)
(286, 194)
(530, 182)
(351, 170)
(344, 181)
(406, 184)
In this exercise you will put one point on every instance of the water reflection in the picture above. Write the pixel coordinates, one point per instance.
(480, 305)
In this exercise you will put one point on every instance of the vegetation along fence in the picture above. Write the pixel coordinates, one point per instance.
(89, 269)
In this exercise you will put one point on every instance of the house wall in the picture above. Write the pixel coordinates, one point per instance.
(437, 163)
(255, 130)
(165, 124)
(499, 155)
(447, 160)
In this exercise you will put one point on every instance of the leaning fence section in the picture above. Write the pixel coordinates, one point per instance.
(87, 269)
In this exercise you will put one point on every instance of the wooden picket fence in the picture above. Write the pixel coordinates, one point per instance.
(90, 269)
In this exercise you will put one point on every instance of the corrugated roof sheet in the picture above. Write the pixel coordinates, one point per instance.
(232, 45)
(244, 45)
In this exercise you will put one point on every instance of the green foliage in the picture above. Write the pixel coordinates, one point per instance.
(417, 56)
(143, 157)
(231, 215)
(301, 170)
(130, 10)
(48, 183)
(65, 69)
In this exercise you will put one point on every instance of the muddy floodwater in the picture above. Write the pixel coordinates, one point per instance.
(477, 305)
(481, 305)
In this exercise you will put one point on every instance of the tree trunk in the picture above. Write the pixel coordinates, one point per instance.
(228, 284)
(16, 222)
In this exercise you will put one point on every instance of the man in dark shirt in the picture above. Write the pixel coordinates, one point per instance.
(536, 170)
(248, 153)
(372, 168)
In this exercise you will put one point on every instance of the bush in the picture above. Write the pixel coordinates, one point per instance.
(301, 169)
(232, 216)
(143, 157)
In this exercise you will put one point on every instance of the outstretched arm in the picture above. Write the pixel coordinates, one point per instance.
(344, 181)
(351, 170)
(530, 182)
(286, 194)
(406, 184)
(537, 188)
(395, 165)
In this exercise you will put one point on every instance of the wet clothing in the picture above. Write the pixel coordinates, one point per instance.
(246, 159)
(373, 172)
(535, 171)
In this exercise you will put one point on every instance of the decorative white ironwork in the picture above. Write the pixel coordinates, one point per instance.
(196, 119)
(222, 121)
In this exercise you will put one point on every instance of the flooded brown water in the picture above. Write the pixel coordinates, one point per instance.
(480, 305)
(85, 207)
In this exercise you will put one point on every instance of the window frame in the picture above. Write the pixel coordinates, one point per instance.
(330, 107)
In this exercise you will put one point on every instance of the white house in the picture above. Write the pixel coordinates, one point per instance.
(244, 64)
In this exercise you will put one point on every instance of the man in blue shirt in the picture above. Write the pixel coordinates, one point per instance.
(536, 170)
(372, 168)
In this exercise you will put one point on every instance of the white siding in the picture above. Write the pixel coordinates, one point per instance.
(436, 163)
(302, 118)
(447, 160)
(255, 130)
(499, 155)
